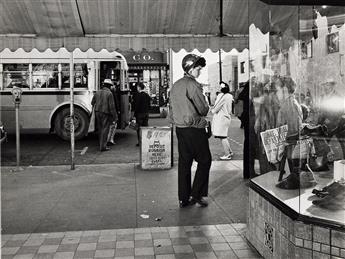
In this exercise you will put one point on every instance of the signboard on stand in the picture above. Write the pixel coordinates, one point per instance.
(156, 148)
(273, 141)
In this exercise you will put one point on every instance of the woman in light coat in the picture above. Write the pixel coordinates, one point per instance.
(222, 118)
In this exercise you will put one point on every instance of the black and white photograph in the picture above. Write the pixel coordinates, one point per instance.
(172, 129)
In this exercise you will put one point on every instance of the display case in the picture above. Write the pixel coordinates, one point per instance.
(296, 124)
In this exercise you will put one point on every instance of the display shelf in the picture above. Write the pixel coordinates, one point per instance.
(285, 223)
(298, 203)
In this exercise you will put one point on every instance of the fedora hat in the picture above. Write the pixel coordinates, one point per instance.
(108, 81)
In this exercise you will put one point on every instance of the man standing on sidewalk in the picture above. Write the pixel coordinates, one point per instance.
(142, 103)
(105, 112)
(188, 108)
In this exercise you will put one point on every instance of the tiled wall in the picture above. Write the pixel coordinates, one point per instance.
(290, 239)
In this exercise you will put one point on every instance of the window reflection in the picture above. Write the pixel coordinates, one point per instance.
(80, 75)
(45, 75)
(16, 75)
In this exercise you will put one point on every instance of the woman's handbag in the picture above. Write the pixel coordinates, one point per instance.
(133, 125)
(208, 129)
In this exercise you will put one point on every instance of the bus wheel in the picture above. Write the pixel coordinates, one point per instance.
(62, 124)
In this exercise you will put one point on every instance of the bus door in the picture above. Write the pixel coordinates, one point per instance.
(113, 70)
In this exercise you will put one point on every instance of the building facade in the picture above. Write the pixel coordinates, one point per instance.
(152, 69)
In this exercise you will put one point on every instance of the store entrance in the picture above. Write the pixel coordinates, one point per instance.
(152, 82)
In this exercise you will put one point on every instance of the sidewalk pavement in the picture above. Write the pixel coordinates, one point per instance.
(224, 241)
(105, 198)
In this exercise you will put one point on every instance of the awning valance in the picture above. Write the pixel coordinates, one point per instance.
(162, 43)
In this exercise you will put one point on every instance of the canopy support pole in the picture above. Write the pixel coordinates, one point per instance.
(220, 66)
(221, 34)
(81, 21)
(71, 83)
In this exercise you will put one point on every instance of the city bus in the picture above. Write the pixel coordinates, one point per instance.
(44, 78)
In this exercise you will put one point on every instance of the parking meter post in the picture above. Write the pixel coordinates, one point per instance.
(17, 98)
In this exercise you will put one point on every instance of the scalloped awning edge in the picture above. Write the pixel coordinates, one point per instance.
(226, 43)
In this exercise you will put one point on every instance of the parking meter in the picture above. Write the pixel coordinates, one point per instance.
(17, 98)
(17, 95)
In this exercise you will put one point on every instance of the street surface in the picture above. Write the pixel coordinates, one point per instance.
(48, 149)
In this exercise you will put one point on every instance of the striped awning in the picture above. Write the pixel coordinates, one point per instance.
(124, 24)
(153, 25)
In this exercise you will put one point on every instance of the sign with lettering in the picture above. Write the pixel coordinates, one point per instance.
(273, 141)
(274, 144)
(156, 148)
(145, 57)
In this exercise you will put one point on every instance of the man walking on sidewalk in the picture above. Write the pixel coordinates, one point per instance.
(188, 108)
(105, 112)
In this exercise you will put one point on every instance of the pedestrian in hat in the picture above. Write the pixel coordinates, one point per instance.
(105, 112)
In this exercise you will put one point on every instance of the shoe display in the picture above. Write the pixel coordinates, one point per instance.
(290, 183)
(331, 197)
(201, 202)
(320, 193)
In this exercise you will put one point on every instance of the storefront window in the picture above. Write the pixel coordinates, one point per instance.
(16, 75)
(295, 129)
(295, 69)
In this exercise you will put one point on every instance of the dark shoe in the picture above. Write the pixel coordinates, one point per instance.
(184, 204)
(201, 202)
(105, 149)
(111, 143)
(137, 145)
(320, 193)
(290, 183)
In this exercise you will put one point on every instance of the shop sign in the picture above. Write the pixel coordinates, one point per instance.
(156, 148)
(144, 57)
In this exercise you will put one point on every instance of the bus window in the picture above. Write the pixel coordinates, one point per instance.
(65, 75)
(16, 75)
(110, 70)
(80, 75)
(45, 75)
